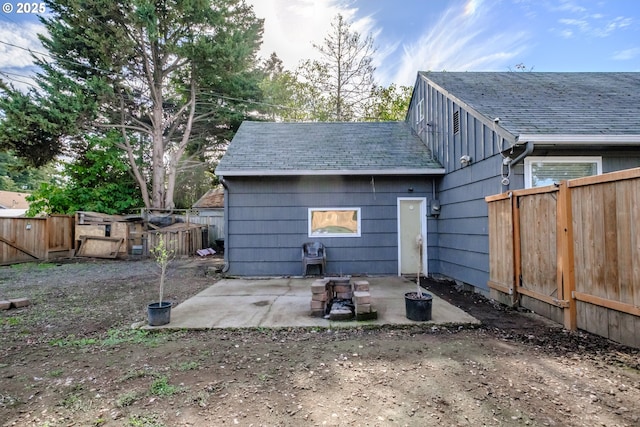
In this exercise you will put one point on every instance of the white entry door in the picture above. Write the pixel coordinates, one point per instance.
(412, 226)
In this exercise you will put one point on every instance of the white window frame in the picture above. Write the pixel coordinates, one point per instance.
(420, 111)
(529, 161)
(318, 235)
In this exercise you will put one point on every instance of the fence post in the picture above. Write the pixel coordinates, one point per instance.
(517, 249)
(47, 237)
(565, 270)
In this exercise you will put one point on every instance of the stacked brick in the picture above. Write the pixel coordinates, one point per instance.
(319, 297)
(14, 303)
(362, 301)
(325, 291)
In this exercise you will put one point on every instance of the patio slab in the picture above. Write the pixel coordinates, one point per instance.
(284, 302)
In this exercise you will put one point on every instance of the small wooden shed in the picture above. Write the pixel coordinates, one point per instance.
(107, 236)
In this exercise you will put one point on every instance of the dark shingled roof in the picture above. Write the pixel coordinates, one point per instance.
(549, 103)
(363, 148)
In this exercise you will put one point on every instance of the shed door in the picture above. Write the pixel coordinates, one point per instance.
(411, 224)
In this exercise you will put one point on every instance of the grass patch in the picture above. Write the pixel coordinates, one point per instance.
(56, 373)
(138, 373)
(72, 341)
(127, 399)
(161, 387)
(74, 403)
(144, 421)
(188, 366)
(32, 265)
(12, 321)
(132, 336)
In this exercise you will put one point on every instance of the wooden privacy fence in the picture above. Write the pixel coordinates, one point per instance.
(571, 253)
(33, 239)
(180, 238)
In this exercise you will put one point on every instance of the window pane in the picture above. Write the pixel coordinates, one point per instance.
(331, 222)
(550, 173)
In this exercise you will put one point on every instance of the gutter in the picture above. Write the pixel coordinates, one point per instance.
(225, 185)
(529, 146)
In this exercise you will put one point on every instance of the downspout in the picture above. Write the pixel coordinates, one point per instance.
(225, 185)
(509, 162)
(527, 150)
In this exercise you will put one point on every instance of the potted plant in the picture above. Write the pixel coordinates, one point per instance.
(418, 304)
(159, 313)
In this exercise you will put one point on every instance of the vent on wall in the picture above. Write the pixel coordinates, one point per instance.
(456, 122)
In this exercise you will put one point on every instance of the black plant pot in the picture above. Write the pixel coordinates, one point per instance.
(159, 313)
(418, 308)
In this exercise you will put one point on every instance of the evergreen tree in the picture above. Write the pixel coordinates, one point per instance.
(172, 76)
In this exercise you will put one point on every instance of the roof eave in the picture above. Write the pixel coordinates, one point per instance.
(342, 172)
(571, 139)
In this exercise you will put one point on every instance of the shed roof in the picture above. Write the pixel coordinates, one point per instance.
(13, 200)
(213, 198)
(362, 148)
(531, 103)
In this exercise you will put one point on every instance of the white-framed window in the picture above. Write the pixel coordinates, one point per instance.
(420, 111)
(541, 171)
(334, 222)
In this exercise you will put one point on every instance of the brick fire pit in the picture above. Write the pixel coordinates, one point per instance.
(338, 298)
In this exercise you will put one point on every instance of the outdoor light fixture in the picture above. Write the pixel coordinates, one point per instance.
(465, 160)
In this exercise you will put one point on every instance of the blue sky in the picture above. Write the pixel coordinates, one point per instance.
(436, 35)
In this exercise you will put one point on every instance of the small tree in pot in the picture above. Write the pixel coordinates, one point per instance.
(159, 313)
(418, 304)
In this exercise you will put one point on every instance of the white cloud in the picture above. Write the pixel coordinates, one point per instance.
(26, 37)
(292, 27)
(16, 62)
(462, 39)
(627, 54)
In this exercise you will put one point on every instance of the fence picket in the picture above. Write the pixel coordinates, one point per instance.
(581, 241)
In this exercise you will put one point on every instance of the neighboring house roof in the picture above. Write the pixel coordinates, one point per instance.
(213, 198)
(320, 148)
(13, 200)
(12, 213)
(598, 107)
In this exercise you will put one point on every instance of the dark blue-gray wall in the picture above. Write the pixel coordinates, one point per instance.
(267, 220)
(461, 247)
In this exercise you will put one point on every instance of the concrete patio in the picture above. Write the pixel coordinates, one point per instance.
(285, 302)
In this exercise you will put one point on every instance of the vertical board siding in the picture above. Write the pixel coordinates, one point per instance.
(462, 191)
(268, 222)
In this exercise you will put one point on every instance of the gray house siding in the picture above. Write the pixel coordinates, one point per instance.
(267, 222)
(461, 250)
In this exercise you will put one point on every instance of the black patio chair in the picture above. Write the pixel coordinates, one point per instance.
(314, 253)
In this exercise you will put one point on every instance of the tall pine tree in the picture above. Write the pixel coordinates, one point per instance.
(172, 76)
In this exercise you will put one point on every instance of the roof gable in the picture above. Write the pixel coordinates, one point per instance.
(548, 103)
(345, 148)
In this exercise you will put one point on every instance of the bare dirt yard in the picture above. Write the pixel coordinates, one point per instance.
(72, 359)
